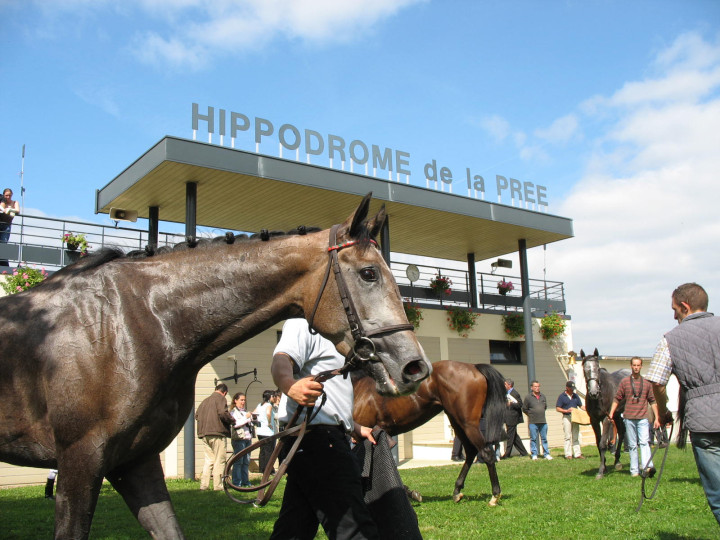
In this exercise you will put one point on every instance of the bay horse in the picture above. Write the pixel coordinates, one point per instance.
(98, 363)
(601, 389)
(465, 392)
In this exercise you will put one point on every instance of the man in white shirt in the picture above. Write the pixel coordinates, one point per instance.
(323, 483)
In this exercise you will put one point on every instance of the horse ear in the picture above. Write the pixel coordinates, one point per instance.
(353, 224)
(375, 224)
(582, 354)
(596, 353)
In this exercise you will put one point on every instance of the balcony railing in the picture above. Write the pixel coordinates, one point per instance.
(545, 296)
(37, 240)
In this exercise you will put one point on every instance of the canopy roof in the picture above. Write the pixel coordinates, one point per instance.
(244, 191)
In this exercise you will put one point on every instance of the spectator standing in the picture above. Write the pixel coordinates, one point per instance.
(264, 430)
(513, 417)
(213, 427)
(566, 402)
(691, 352)
(535, 405)
(457, 453)
(637, 393)
(8, 210)
(241, 439)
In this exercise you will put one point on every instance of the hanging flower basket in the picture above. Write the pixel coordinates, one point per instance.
(413, 314)
(514, 325)
(552, 326)
(440, 285)
(505, 287)
(461, 320)
(73, 242)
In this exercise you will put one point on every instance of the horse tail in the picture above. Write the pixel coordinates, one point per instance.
(494, 409)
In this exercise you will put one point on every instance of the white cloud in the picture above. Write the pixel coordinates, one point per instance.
(195, 32)
(561, 130)
(496, 126)
(199, 30)
(645, 214)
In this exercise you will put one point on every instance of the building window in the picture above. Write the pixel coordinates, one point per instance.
(505, 352)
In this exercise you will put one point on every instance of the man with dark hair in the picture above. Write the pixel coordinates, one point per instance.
(566, 402)
(513, 417)
(637, 394)
(691, 352)
(213, 426)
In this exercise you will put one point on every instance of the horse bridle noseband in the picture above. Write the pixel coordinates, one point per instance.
(354, 359)
(363, 349)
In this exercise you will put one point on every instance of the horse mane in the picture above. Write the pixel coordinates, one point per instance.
(108, 254)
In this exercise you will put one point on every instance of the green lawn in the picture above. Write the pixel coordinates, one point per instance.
(544, 499)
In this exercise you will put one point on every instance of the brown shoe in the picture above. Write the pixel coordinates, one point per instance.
(580, 457)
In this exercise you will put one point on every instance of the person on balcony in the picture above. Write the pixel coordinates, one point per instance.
(8, 210)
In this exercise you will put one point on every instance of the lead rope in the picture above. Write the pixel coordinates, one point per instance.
(662, 441)
(298, 431)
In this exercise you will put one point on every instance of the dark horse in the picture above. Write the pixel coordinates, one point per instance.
(99, 362)
(465, 392)
(601, 389)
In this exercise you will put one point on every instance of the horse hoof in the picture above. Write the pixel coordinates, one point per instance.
(494, 500)
(599, 476)
(618, 466)
(457, 497)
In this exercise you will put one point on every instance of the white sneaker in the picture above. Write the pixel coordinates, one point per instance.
(548, 457)
(534, 458)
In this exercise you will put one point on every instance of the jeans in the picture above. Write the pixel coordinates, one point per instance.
(638, 435)
(5, 232)
(540, 429)
(241, 468)
(706, 447)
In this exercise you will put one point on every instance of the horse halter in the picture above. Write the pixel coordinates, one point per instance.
(363, 349)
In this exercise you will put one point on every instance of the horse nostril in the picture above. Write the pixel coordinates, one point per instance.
(416, 370)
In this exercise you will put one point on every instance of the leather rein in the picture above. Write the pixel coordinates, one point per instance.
(363, 350)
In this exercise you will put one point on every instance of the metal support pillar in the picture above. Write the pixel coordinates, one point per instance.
(189, 429)
(385, 240)
(472, 283)
(527, 310)
(190, 209)
(153, 226)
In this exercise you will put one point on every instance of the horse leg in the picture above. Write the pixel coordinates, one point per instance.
(142, 486)
(79, 480)
(470, 454)
(601, 447)
(488, 454)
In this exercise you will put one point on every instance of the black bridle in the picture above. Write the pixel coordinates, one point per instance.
(363, 349)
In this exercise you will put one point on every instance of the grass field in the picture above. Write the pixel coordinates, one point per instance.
(556, 499)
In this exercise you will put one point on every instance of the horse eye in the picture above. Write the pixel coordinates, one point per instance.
(368, 274)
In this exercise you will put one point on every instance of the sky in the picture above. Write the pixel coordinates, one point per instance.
(613, 107)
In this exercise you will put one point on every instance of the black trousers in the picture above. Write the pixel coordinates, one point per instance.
(324, 487)
(514, 440)
(266, 451)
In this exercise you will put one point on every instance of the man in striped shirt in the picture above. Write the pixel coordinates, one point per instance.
(637, 393)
